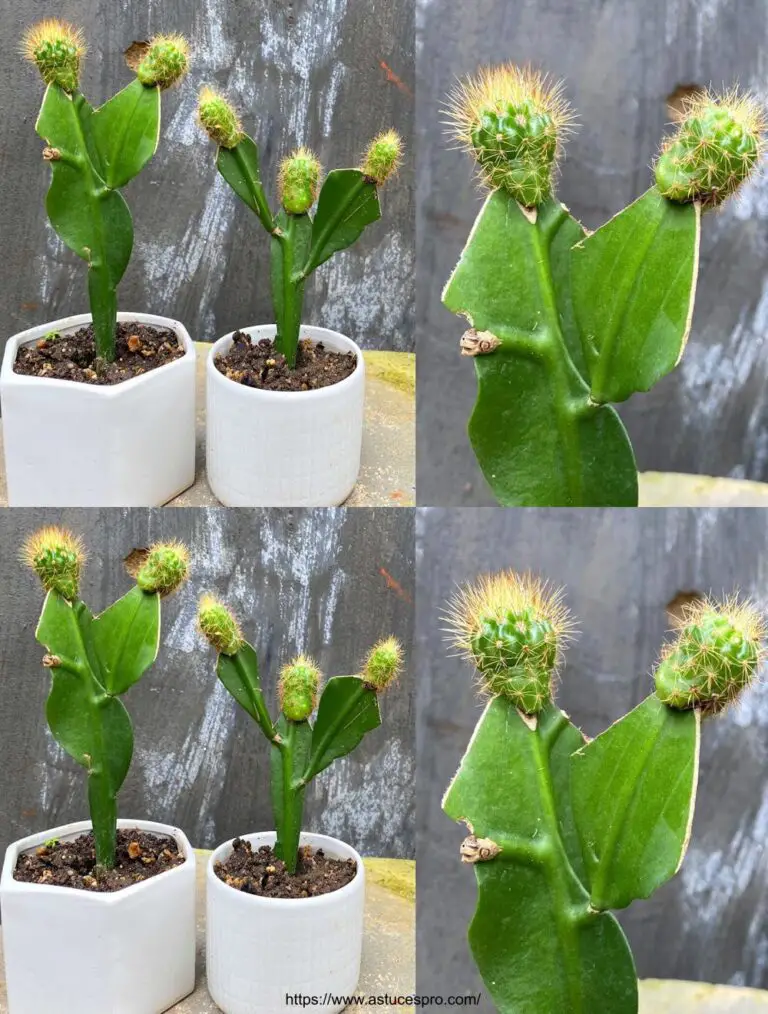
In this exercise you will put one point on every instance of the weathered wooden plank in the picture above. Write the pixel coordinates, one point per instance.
(328, 582)
(620, 62)
(324, 74)
(621, 570)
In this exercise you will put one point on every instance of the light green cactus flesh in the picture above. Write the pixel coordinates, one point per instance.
(348, 708)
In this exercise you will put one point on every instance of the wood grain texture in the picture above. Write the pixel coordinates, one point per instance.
(620, 61)
(302, 72)
(621, 570)
(327, 582)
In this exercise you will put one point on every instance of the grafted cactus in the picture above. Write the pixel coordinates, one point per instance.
(347, 708)
(347, 202)
(562, 322)
(561, 830)
(94, 152)
(94, 659)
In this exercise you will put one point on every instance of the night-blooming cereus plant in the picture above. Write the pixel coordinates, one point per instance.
(347, 708)
(564, 322)
(94, 660)
(347, 201)
(561, 829)
(94, 152)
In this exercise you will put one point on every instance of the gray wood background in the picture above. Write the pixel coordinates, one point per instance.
(621, 570)
(327, 582)
(620, 61)
(327, 73)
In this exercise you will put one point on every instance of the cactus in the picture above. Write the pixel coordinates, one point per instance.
(561, 829)
(94, 152)
(563, 323)
(347, 202)
(347, 708)
(93, 660)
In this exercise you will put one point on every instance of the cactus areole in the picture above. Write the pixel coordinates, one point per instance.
(345, 709)
(564, 323)
(94, 659)
(560, 829)
(93, 152)
(347, 202)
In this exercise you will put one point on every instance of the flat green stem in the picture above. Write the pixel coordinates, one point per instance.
(291, 826)
(319, 243)
(287, 340)
(257, 701)
(102, 294)
(333, 728)
(264, 214)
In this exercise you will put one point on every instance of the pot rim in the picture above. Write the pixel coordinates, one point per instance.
(307, 837)
(8, 884)
(333, 390)
(8, 376)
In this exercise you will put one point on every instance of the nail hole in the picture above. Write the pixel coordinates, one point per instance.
(134, 561)
(676, 100)
(135, 53)
(676, 607)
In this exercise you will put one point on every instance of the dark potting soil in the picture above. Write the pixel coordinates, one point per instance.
(259, 365)
(261, 872)
(140, 855)
(140, 348)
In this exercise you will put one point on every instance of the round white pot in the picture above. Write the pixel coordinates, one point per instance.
(284, 448)
(261, 950)
(69, 444)
(76, 952)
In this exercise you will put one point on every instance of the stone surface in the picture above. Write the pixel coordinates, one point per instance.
(387, 473)
(388, 949)
(658, 996)
(673, 489)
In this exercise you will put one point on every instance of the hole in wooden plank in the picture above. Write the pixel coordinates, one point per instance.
(678, 99)
(676, 607)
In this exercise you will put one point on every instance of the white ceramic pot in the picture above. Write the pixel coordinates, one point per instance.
(77, 952)
(284, 448)
(69, 444)
(261, 950)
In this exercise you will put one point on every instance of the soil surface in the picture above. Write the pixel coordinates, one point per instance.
(140, 348)
(258, 365)
(140, 855)
(262, 873)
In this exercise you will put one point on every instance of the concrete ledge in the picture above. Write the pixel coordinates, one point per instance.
(676, 489)
(659, 996)
(389, 947)
(388, 469)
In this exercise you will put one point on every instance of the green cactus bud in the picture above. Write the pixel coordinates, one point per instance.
(165, 62)
(57, 557)
(716, 147)
(716, 654)
(297, 688)
(56, 48)
(382, 157)
(165, 568)
(513, 629)
(299, 181)
(219, 626)
(513, 121)
(383, 664)
(219, 119)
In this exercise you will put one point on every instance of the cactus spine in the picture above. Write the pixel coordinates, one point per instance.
(93, 661)
(347, 708)
(94, 152)
(347, 202)
(563, 323)
(593, 825)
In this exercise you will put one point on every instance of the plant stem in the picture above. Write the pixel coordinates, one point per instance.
(318, 750)
(257, 701)
(289, 303)
(318, 243)
(287, 846)
(256, 189)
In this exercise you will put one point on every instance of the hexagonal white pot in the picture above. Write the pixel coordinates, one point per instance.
(260, 950)
(77, 952)
(69, 444)
(284, 448)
